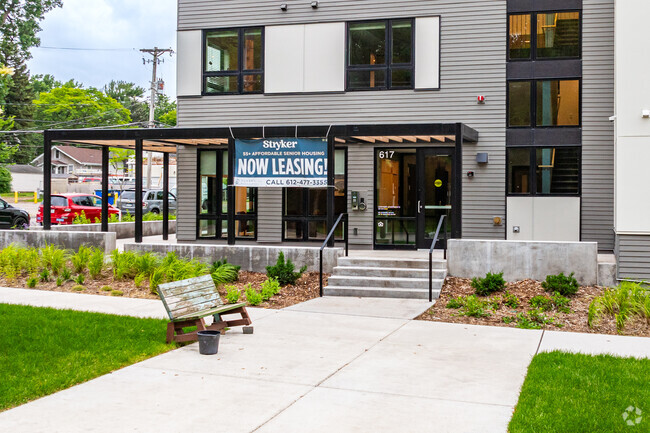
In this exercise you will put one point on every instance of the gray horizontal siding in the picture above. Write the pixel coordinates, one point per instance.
(361, 178)
(186, 188)
(269, 215)
(597, 130)
(472, 63)
(633, 252)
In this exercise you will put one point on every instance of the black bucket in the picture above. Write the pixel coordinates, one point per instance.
(208, 342)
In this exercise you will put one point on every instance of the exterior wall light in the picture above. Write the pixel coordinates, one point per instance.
(497, 221)
(645, 114)
(314, 5)
(283, 7)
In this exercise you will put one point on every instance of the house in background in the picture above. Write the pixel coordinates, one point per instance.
(26, 178)
(77, 161)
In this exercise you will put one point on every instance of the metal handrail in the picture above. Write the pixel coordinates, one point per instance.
(433, 245)
(327, 239)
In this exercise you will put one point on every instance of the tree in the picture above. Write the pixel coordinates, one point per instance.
(169, 118)
(164, 108)
(6, 123)
(131, 96)
(70, 107)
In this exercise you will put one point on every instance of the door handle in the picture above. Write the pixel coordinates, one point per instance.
(419, 206)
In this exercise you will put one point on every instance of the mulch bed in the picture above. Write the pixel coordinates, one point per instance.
(576, 321)
(306, 288)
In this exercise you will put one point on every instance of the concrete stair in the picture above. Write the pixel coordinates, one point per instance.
(381, 277)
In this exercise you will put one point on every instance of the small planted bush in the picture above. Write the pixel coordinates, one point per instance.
(80, 259)
(96, 263)
(106, 289)
(31, 282)
(511, 300)
(269, 288)
(117, 293)
(623, 303)
(59, 281)
(80, 279)
(139, 279)
(78, 288)
(470, 306)
(224, 273)
(283, 271)
(253, 296)
(232, 294)
(44, 275)
(565, 285)
(66, 274)
(490, 284)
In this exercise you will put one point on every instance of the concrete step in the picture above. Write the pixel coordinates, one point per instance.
(380, 292)
(401, 283)
(380, 262)
(358, 271)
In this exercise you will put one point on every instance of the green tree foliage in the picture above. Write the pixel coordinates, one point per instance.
(20, 23)
(131, 96)
(169, 118)
(69, 107)
(164, 109)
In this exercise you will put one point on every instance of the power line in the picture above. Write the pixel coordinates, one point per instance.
(87, 49)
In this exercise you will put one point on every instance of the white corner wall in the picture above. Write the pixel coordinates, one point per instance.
(544, 218)
(427, 53)
(189, 63)
(632, 196)
(304, 58)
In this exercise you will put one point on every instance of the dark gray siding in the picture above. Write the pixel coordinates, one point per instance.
(269, 215)
(472, 63)
(186, 184)
(633, 253)
(597, 130)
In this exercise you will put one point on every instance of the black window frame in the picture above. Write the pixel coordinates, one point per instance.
(220, 216)
(306, 218)
(532, 171)
(533, 36)
(533, 103)
(388, 66)
(239, 73)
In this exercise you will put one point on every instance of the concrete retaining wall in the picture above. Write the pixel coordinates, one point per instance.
(519, 260)
(64, 239)
(254, 258)
(122, 230)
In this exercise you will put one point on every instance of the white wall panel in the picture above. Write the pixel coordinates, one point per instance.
(284, 58)
(324, 57)
(520, 214)
(427, 53)
(188, 63)
(544, 218)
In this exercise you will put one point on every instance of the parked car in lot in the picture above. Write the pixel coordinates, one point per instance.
(65, 207)
(12, 217)
(152, 201)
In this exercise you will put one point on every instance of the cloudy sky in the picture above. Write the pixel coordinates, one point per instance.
(110, 32)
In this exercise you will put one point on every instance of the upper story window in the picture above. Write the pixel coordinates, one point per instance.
(380, 55)
(557, 35)
(543, 170)
(233, 61)
(544, 103)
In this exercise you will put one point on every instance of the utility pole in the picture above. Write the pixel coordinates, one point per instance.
(156, 53)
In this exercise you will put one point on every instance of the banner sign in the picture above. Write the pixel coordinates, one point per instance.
(281, 162)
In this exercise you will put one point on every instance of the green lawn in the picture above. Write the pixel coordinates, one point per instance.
(579, 393)
(43, 350)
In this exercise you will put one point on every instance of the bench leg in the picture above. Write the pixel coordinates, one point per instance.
(175, 330)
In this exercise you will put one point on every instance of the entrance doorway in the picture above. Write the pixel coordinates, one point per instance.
(413, 189)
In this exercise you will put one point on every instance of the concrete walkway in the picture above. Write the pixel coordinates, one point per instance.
(327, 365)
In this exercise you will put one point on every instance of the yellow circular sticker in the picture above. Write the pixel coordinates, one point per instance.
(438, 183)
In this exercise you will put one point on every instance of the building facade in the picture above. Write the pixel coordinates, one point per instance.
(532, 79)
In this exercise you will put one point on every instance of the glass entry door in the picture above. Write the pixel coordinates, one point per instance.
(434, 194)
(413, 187)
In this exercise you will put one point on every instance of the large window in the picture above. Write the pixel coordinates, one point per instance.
(557, 35)
(543, 170)
(380, 55)
(305, 209)
(544, 103)
(213, 200)
(233, 61)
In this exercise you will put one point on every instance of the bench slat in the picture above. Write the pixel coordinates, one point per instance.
(190, 308)
(211, 312)
(192, 297)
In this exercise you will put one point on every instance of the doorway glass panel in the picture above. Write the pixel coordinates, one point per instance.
(396, 194)
(437, 194)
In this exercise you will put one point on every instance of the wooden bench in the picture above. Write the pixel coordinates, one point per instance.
(188, 301)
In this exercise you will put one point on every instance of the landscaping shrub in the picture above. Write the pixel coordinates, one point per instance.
(511, 300)
(80, 259)
(224, 273)
(66, 274)
(469, 306)
(117, 293)
(31, 282)
(146, 263)
(269, 288)
(52, 257)
(106, 289)
(5, 180)
(488, 285)
(541, 302)
(223, 262)
(139, 279)
(81, 219)
(283, 271)
(253, 296)
(44, 275)
(565, 285)
(79, 288)
(80, 279)
(232, 294)
(96, 263)
(59, 281)
(624, 302)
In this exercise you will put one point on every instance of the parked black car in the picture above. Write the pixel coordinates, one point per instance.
(12, 217)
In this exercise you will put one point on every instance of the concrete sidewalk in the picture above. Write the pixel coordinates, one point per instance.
(327, 365)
